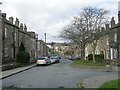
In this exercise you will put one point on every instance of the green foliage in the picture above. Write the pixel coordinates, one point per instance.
(81, 85)
(112, 85)
(90, 57)
(99, 58)
(22, 55)
(88, 64)
(22, 48)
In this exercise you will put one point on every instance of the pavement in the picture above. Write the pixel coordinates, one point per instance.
(90, 82)
(96, 81)
(11, 72)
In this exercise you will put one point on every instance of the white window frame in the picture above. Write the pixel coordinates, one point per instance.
(111, 53)
(115, 54)
(6, 51)
(5, 33)
(115, 37)
(15, 36)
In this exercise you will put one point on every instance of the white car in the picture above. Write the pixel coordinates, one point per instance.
(43, 61)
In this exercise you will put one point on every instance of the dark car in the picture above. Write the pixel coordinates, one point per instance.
(77, 58)
(74, 58)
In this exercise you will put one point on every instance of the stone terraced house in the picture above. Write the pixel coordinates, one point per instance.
(12, 34)
(109, 42)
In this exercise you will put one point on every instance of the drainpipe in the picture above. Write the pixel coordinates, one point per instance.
(3, 36)
(118, 42)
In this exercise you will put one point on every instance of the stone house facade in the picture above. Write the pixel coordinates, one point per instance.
(32, 43)
(10, 39)
(108, 44)
(12, 34)
(101, 48)
(43, 49)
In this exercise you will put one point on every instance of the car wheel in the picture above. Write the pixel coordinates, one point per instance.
(58, 61)
(47, 64)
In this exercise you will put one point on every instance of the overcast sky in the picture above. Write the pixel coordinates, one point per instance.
(50, 16)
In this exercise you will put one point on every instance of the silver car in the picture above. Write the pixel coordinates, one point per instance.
(43, 61)
(54, 59)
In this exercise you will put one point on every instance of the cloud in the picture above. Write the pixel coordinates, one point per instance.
(49, 16)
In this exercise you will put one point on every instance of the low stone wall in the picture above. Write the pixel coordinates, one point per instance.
(10, 66)
(14, 65)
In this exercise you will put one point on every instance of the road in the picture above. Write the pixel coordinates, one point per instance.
(52, 76)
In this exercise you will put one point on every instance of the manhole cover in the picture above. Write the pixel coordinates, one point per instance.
(29, 85)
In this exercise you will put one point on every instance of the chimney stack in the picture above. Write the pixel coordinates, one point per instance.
(107, 26)
(112, 22)
(4, 15)
(11, 19)
(17, 22)
(25, 28)
(21, 26)
(0, 14)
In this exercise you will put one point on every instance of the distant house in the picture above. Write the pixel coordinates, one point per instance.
(33, 46)
(43, 48)
(101, 48)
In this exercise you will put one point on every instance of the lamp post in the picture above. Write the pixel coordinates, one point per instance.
(1, 39)
(45, 46)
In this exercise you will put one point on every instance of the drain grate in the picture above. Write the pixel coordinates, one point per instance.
(61, 87)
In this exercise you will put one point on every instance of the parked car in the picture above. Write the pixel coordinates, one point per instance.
(74, 58)
(77, 58)
(54, 59)
(43, 61)
(71, 58)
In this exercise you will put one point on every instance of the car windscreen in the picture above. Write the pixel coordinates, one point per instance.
(53, 57)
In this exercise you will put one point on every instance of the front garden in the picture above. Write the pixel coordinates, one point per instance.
(112, 85)
(88, 64)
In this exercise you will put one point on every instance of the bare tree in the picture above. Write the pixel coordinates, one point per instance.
(76, 33)
(86, 28)
(95, 20)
